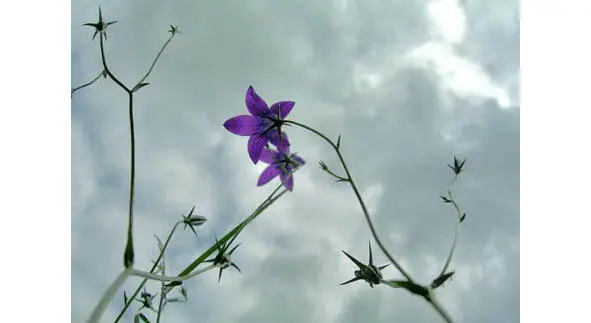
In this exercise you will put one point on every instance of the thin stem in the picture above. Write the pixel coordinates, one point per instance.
(439, 308)
(106, 68)
(458, 227)
(155, 60)
(356, 191)
(108, 296)
(160, 256)
(163, 278)
(129, 256)
(86, 84)
(234, 232)
(160, 307)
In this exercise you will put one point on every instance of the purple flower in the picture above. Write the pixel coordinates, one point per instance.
(281, 163)
(263, 125)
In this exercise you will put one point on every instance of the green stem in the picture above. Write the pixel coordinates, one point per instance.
(163, 278)
(458, 227)
(155, 60)
(234, 232)
(129, 256)
(108, 296)
(438, 307)
(160, 307)
(356, 191)
(86, 84)
(106, 68)
(139, 288)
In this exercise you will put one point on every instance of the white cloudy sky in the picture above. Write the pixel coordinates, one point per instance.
(406, 83)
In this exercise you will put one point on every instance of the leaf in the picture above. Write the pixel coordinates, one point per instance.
(143, 317)
(160, 245)
(411, 287)
(445, 199)
(463, 218)
(441, 279)
(124, 298)
(339, 142)
(173, 284)
(139, 86)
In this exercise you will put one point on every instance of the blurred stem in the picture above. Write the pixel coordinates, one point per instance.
(438, 307)
(108, 296)
(163, 278)
(359, 198)
(189, 269)
(139, 288)
(160, 307)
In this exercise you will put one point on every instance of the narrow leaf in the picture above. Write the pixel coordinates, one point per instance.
(139, 86)
(445, 199)
(441, 279)
(160, 245)
(339, 142)
(144, 318)
(173, 284)
(463, 218)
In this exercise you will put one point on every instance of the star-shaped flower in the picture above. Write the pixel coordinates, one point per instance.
(174, 30)
(281, 163)
(263, 125)
(370, 273)
(101, 26)
(222, 259)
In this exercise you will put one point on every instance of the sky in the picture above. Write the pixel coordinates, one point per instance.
(407, 85)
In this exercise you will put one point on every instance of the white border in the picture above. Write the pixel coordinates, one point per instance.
(35, 162)
(555, 163)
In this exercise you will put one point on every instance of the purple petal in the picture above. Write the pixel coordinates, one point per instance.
(255, 105)
(298, 159)
(287, 181)
(274, 138)
(268, 174)
(268, 156)
(243, 125)
(283, 150)
(256, 144)
(282, 108)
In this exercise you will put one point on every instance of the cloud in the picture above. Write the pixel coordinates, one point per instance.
(406, 85)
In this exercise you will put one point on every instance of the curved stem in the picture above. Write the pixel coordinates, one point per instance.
(108, 296)
(155, 60)
(115, 79)
(458, 227)
(86, 84)
(356, 191)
